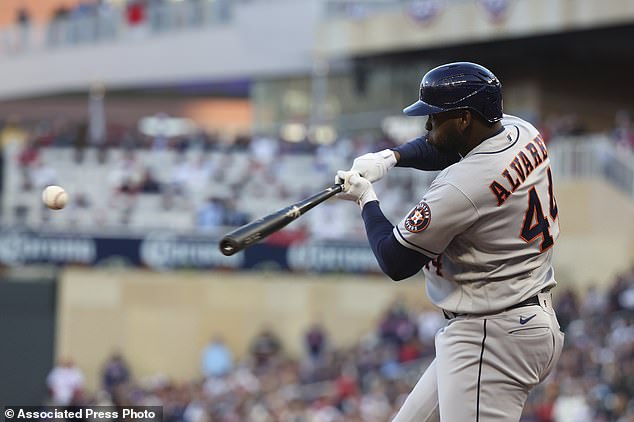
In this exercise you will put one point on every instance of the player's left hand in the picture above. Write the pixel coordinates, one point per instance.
(355, 188)
(374, 165)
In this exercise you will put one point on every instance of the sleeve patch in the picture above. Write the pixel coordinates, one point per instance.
(418, 219)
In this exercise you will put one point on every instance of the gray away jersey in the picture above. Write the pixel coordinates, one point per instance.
(489, 223)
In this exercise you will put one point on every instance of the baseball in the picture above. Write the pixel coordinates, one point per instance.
(55, 197)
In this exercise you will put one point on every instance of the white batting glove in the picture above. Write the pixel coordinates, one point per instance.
(374, 165)
(355, 188)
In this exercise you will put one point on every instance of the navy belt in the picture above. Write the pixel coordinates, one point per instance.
(533, 300)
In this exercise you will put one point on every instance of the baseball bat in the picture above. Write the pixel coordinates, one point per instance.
(245, 236)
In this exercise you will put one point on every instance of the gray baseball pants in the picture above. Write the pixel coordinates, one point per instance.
(485, 366)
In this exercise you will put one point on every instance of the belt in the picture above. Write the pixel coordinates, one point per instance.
(533, 300)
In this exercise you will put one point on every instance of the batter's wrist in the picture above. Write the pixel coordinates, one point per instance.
(367, 196)
(389, 157)
(397, 155)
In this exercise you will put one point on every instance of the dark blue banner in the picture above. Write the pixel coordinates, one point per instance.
(169, 251)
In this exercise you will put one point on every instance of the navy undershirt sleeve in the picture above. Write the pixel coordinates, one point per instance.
(396, 260)
(420, 154)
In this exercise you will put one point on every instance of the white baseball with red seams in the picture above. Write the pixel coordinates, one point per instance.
(55, 197)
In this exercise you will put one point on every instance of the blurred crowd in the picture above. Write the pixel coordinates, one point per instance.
(594, 380)
(202, 175)
(363, 382)
(90, 21)
(571, 125)
(211, 180)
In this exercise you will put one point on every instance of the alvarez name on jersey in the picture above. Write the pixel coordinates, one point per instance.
(489, 223)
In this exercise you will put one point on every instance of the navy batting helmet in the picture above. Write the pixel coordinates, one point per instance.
(460, 85)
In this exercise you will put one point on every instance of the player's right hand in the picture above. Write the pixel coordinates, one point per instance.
(355, 188)
(374, 165)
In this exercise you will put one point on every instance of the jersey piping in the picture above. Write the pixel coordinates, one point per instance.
(484, 337)
(517, 137)
(425, 251)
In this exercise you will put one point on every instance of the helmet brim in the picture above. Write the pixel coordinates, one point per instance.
(421, 108)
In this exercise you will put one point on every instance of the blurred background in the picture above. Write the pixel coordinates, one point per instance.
(171, 122)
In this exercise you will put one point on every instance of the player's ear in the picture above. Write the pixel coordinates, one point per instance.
(465, 119)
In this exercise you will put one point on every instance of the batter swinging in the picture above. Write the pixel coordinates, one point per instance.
(483, 234)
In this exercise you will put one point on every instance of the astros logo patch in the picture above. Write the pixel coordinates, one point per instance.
(418, 219)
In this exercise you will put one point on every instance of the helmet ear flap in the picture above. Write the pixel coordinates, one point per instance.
(488, 107)
(493, 107)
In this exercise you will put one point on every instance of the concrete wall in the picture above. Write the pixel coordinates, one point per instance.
(161, 322)
(597, 233)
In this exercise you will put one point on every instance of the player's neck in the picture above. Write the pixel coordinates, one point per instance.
(480, 133)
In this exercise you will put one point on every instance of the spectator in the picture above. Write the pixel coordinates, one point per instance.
(234, 217)
(623, 132)
(544, 409)
(148, 182)
(115, 373)
(136, 17)
(28, 158)
(106, 20)
(571, 406)
(626, 298)
(216, 360)
(265, 348)
(396, 326)
(615, 292)
(23, 24)
(126, 174)
(81, 22)
(57, 30)
(65, 383)
(315, 342)
(375, 406)
(347, 384)
(211, 214)
(410, 350)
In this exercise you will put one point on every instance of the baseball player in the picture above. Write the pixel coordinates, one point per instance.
(483, 234)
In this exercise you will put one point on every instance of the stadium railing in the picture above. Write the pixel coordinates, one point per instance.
(592, 157)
